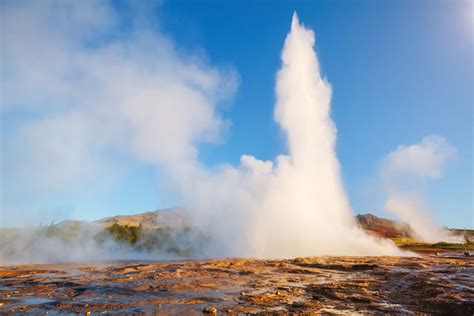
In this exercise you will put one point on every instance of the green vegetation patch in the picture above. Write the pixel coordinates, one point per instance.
(407, 242)
(125, 233)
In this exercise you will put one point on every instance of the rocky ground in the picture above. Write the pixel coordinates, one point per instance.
(435, 284)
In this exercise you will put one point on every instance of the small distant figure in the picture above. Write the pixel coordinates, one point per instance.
(466, 254)
(436, 253)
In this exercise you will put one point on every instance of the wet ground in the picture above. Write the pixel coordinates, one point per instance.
(442, 284)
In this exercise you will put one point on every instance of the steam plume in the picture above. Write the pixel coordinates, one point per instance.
(404, 172)
(149, 104)
(296, 206)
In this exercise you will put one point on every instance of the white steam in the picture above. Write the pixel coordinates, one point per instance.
(96, 99)
(404, 172)
(293, 207)
(80, 97)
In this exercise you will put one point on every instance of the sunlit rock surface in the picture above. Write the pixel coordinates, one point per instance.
(435, 284)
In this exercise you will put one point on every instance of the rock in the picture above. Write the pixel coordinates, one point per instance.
(210, 310)
(466, 253)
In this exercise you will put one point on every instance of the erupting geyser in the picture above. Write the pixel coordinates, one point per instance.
(298, 206)
(154, 106)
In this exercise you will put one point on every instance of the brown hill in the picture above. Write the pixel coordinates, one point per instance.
(173, 217)
(382, 227)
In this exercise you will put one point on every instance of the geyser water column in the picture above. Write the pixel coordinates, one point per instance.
(305, 210)
(303, 112)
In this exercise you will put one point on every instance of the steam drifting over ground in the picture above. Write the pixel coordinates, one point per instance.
(147, 102)
(404, 172)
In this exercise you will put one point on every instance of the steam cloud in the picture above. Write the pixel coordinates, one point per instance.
(296, 206)
(138, 97)
(94, 97)
(404, 172)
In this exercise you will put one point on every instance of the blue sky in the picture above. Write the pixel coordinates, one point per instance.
(399, 70)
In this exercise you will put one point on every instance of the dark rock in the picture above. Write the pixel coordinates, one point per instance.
(210, 310)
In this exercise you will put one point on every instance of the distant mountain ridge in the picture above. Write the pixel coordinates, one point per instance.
(176, 218)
